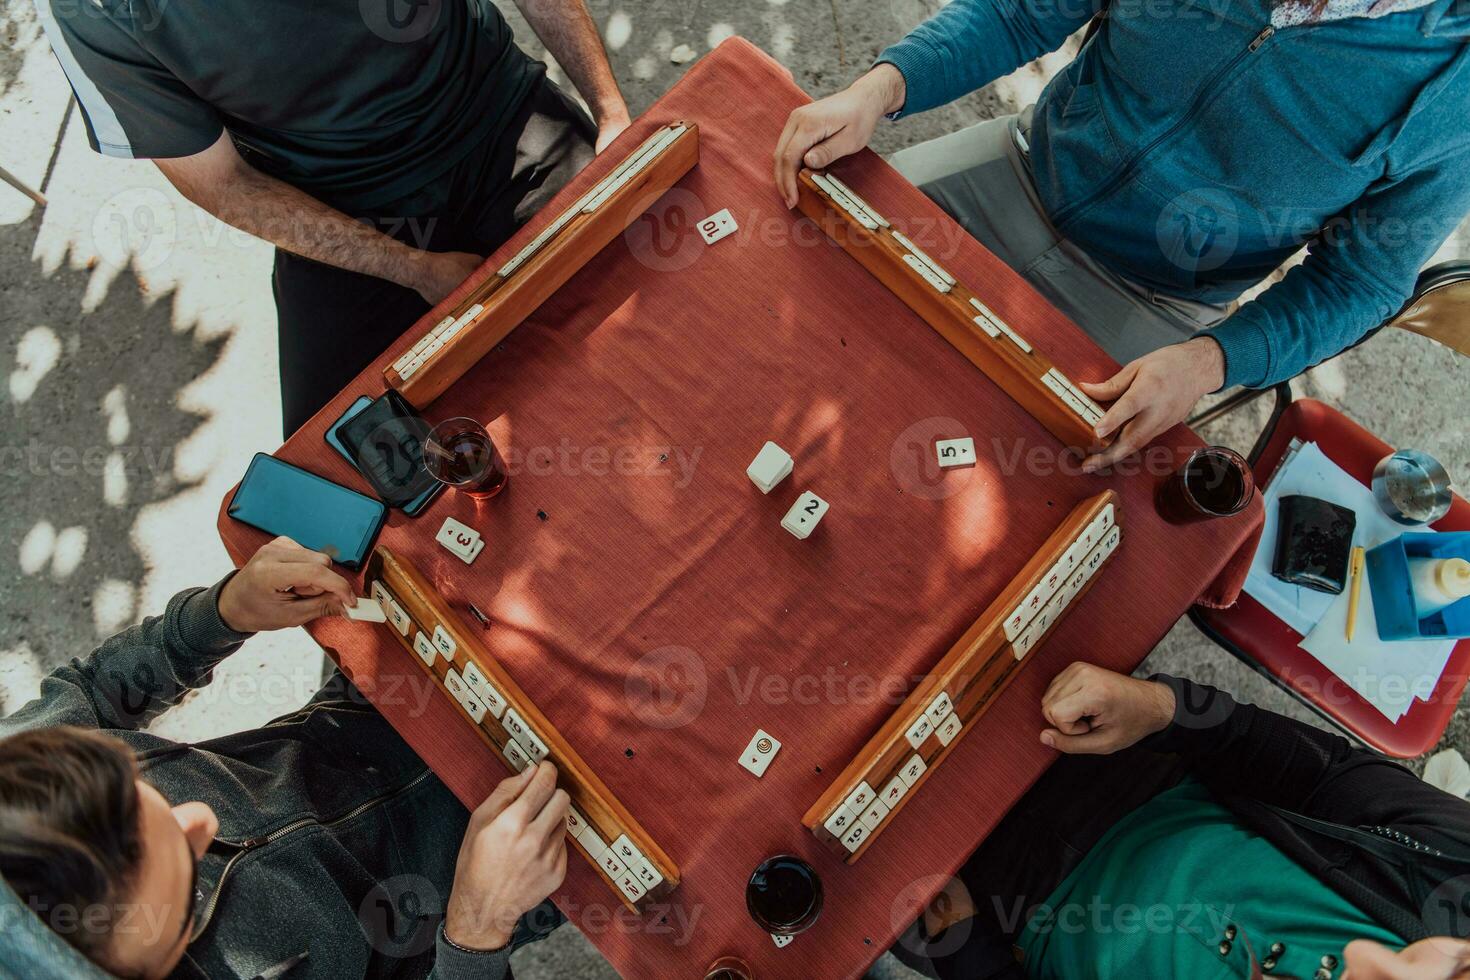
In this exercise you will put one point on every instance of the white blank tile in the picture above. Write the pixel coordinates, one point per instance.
(770, 466)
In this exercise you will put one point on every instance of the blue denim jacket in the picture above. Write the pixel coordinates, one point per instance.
(1193, 147)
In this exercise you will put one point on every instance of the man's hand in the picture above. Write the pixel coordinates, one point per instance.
(283, 584)
(1098, 712)
(514, 855)
(831, 128)
(1154, 393)
(439, 273)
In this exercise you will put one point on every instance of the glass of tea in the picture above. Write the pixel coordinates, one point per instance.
(1213, 482)
(458, 453)
(784, 895)
(728, 968)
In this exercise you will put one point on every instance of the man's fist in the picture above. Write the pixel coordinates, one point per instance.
(514, 855)
(831, 128)
(1098, 712)
(283, 584)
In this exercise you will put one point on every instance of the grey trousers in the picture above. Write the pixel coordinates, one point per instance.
(981, 177)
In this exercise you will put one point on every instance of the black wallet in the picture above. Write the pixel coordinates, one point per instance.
(386, 442)
(1314, 542)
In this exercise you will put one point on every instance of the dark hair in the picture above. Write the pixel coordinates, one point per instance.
(69, 830)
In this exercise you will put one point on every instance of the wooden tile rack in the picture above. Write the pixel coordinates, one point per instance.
(889, 771)
(959, 314)
(624, 854)
(502, 302)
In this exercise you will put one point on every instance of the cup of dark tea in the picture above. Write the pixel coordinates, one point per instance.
(784, 895)
(459, 453)
(728, 968)
(1213, 482)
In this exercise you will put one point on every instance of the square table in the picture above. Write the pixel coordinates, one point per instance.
(645, 595)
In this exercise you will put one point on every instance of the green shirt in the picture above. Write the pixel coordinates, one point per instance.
(1181, 888)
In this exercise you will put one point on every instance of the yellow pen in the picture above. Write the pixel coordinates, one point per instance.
(1355, 574)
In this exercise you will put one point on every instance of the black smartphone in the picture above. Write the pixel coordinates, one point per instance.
(279, 498)
(385, 441)
(334, 439)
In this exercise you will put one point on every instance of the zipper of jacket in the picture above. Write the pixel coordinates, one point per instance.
(206, 914)
(1205, 95)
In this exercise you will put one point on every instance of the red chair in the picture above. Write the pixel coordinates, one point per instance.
(1439, 309)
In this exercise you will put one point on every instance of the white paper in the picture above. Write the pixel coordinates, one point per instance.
(1389, 675)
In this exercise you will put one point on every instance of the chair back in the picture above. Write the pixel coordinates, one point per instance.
(1440, 307)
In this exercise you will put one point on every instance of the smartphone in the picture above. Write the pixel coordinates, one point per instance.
(334, 439)
(279, 498)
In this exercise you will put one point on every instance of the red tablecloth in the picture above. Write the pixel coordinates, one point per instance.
(645, 595)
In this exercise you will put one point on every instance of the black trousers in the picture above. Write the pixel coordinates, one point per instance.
(332, 323)
(1040, 841)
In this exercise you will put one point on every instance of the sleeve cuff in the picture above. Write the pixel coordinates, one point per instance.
(922, 70)
(1199, 713)
(200, 628)
(453, 962)
(1247, 350)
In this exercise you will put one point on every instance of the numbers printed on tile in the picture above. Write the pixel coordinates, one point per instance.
(398, 617)
(576, 823)
(874, 814)
(955, 452)
(717, 226)
(894, 791)
(804, 516)
(759, 753)
(912, 770)
(515, 724)
(458, 538)
(626, 851)
(488, 693)
(444, 642)
(919, 730)
(630, 885)
(949, 728)
(855, 836)
(841, 819)
(515, 755)
(939, 707)
(648, 874)
(859, 798)
(609, 862)
(424, 648)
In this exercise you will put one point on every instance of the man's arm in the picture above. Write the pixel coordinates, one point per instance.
(968, 44)
(513, 856)
(222, 183)
(1357, 274)
(570, 36)
(139, 673)
(971, 43)
(1241, 750)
